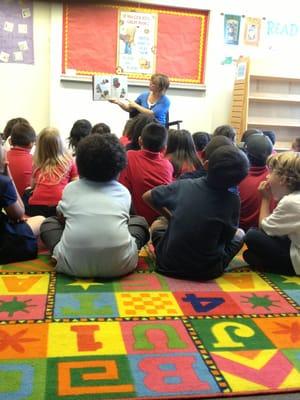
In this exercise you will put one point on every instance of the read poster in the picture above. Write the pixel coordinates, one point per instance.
(137, 34)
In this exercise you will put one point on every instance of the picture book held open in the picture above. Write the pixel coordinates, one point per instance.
(107, 87)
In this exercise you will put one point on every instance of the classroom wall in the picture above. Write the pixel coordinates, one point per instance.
(37, 92)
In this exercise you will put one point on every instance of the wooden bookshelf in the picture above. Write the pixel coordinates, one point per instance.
(268, 103)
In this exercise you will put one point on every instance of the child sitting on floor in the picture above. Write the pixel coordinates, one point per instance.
(202, 236)
(258, 148)
(181, 152)
(275, 247)
(53, 169)
(147, 168)
(215, 142)
(93, 234)
(19, 156)
(17, 236)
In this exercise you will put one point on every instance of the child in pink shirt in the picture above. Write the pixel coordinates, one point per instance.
(54, 169)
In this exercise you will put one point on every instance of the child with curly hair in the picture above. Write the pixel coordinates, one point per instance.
(93, 235)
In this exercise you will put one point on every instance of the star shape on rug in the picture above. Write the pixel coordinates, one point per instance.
(293, 330)
(15, 305)
(291, 279)
(85, 283)
(260, 301)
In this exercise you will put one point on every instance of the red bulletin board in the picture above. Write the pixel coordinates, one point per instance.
(90, 40)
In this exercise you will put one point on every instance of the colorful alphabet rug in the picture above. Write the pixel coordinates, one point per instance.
(146, 336)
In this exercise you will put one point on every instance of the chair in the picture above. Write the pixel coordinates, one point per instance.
(172, 123)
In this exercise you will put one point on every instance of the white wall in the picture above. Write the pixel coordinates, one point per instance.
(37, 92)
(25, 88)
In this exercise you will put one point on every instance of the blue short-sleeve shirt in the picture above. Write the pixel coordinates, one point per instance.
(160, 108)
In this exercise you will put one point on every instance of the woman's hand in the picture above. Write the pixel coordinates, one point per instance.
(133, 104)
(124, 106)
(114, 101)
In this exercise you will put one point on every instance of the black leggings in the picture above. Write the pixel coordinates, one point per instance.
(271, 253)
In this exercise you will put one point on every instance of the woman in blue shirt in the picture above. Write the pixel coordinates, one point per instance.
(153, 102)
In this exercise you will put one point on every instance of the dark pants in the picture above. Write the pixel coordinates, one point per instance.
(269, 253)
(33, 210)
(231, 249)
(52, 229)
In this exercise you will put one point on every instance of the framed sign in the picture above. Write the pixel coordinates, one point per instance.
(252, 31)
(137, 37)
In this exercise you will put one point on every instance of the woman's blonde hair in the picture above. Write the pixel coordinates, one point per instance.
(50, 156)
(287, 165)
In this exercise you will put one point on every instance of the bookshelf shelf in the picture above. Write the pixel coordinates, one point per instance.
(268, 103)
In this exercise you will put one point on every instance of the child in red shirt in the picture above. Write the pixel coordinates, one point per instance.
(258, 148)
(22, 139)
(147, 168)
(54, 169)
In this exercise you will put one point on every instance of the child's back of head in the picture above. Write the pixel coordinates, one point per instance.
(227, 167)
(50, 151)
(258, 148)
(100, 128)
(22, 135)
(215, 143)
(225, 130)
(100, 158)
(248, 133)
(201, 139)
(9, 125)
(80, 129)
(136, 128)
(181, 150)
(271, 135)
(154, 137)
(296, 144)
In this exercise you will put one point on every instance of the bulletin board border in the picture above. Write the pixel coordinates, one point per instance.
(176, 81)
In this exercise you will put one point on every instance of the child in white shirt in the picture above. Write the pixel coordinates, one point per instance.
(275, 247)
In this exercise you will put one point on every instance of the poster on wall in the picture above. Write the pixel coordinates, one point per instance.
(232, 29)
(252, 31)
(16, 32)
(137, 35)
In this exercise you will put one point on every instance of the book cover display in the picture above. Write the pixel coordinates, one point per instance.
(107, 87)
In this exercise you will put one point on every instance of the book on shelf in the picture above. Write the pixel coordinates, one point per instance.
(106, 87)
